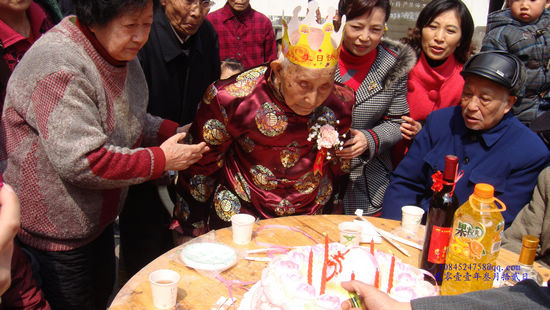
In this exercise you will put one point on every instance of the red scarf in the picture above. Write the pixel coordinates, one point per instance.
(354, 69)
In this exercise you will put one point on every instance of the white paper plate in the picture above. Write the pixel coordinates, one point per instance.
(208, 256)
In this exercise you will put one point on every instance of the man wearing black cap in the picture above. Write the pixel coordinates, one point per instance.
(492, 145)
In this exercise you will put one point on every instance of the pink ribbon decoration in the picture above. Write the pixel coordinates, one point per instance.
(233, 283)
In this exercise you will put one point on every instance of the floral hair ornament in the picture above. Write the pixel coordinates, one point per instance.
(297, 39)
(326, 138)
(438, 181)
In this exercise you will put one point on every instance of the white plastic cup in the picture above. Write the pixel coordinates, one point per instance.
(350, 233)
(241, 225)
(164, 288)
(411, 217)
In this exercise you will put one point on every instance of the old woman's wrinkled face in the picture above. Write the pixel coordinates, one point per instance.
(125, 34)
(304, 89)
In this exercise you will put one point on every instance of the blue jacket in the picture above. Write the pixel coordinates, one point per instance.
(508, 156)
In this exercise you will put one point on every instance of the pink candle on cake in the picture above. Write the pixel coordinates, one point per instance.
(324, 270)
(310, 267)
(377, 279)
(372, 246)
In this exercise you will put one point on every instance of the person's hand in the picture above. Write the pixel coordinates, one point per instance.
(10, 221)
(10, 215)
(409, 128)
(372, 298)
(181, 156)
(355, 146)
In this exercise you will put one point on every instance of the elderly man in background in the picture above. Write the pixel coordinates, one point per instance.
(73, 123)
(492, 145)
(272, 131)
(180, 60)
(244, 33)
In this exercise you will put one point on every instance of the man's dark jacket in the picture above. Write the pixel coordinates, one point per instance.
(178, 74)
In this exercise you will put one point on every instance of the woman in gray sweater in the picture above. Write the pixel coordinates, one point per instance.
(73, 123)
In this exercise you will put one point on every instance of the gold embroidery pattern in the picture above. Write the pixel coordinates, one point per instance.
(201, 187)
(220, 160)
(285, 182)
(224, 115)
(226, 203)
(285, 208)
(246, 143)
(263, 178)
(242, 88)
(291, 155)
(210, 93)
(241, 187)
(214, 132)
(252, 74)
(307, 183)
(270, 120)
(325, 191)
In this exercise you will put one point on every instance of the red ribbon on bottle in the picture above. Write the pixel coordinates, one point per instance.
(437, 179)
(318, 165)
(438, 182)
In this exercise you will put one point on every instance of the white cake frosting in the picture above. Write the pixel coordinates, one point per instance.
(284, 283)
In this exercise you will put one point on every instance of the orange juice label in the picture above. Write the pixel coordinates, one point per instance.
(438, 244)
(467, 230)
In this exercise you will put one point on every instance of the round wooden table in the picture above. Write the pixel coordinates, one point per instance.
(202, 291)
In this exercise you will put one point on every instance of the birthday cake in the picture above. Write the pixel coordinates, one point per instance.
(295, 280)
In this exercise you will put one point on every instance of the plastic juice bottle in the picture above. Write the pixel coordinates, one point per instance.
(475, 243)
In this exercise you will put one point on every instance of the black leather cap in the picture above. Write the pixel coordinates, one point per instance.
(498, 66)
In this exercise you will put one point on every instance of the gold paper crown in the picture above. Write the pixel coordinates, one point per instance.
(302, 52)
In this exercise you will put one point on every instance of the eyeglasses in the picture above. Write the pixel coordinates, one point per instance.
(204, 4)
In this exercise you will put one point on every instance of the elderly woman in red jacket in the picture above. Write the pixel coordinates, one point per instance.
(446, 28)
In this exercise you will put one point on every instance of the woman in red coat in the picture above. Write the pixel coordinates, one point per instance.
(445, 29)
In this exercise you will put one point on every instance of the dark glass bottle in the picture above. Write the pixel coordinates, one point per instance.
(439, 221)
